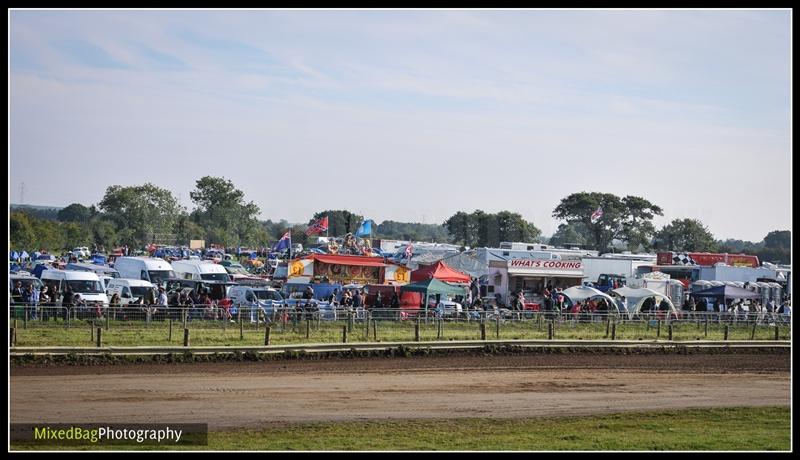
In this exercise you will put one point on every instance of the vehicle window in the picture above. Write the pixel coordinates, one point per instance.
(157, 276)
(144, 276)
(86, 286)
(138, 291)
(215, 276)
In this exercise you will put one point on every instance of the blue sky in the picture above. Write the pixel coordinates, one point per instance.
(410, 115)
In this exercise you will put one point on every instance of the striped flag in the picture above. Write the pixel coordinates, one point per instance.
(318, 226)
(597, 214)
(408, 251)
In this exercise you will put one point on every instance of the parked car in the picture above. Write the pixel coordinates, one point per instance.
(81, 252)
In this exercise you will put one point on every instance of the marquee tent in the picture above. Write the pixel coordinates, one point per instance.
(440, 271)
(581, 293)
(637, 297)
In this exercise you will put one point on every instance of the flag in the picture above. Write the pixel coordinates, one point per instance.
(365, 229)
(318, 226)
(597, 214)
(283, 243)
(408, 251)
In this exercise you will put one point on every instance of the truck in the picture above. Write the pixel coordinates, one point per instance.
(602, 272)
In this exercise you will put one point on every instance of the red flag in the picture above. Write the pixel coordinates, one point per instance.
(318, 226)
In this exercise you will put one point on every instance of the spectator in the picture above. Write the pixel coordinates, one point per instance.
(162, 297)
(378, 300)
(395, 300)
(16, 293)
(33, 299)
(357, 301)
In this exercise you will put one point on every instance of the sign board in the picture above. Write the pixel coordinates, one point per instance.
(569, 268)
(197, 244)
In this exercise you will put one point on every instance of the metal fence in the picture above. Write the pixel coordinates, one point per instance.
(333, 323)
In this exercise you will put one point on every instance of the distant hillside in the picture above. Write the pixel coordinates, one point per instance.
(42, 212)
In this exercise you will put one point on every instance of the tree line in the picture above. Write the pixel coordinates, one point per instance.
(139, 215)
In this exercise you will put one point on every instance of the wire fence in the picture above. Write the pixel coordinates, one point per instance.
(211, 324)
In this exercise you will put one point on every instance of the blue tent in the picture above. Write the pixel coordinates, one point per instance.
(99, 259)
(727, 292)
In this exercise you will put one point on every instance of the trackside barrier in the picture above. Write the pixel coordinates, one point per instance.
(308, 325)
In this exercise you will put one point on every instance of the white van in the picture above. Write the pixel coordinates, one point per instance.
(200, 270)
(129, 290)
(87, 284)
(252, 298)
(151, 269)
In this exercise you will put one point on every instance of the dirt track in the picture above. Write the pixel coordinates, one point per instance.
(231, 395)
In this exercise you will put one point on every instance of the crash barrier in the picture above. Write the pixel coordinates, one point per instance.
(307, 323)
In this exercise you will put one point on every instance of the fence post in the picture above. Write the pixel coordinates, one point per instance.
(614, 330)
(349, 321)
(608, 326)
(25, 321)
(497, 327)
(374, 330)
(669, 331)
(186, 337)
(777, 333)
(706, 327)
(753, 333)
(108, 319)
(99, 334)
(344, 334)
(91, 330)
(170, 329)
(725, 334)
(416, 330)
(658, 330)
(185, 314)
(366, 326)
(68, 318)
(550, 331)
(12, 336)
(308, 328)
(266, 336)
(241, 323)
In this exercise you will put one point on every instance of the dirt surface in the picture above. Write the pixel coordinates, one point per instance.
(252, 394)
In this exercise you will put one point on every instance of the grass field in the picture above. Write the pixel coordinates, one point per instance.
(228, 334)
(728, 429)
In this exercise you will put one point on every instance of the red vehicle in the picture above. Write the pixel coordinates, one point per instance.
(706, 259)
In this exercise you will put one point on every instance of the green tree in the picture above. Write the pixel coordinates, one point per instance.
(460, 230)
(103, 232)
(186, 229)
(75, 212)
(75, 235)
(340, 222)
(140, 211)
(685, 235)
(778, 239)
(223, 213)
(22, 232)
(628, 219)
(573, 233)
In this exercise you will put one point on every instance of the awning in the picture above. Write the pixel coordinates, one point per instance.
(349, 260)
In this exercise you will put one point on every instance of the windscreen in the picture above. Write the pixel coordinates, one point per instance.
(156, 276)
(85, 286)
(139, 291)
(215, 277)
(268, 295)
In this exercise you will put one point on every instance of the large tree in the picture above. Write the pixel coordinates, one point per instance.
(340, 222)
(778, 239)
(140, 211)
(573, 233)
(75, 212)
(685, 235)
(223, 213)
(628, 219)
(482, 229)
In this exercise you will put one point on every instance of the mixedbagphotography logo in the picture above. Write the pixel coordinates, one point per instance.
(71, 434)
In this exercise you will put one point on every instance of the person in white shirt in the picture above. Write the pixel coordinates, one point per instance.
(162, 297)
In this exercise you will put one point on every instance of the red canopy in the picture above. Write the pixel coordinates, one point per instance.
(442, 272)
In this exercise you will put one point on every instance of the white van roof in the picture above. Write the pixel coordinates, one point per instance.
(203, 266)
(132, 282)
(70, 275)
(150, 263)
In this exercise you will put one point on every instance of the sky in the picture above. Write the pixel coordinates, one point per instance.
(410, 115)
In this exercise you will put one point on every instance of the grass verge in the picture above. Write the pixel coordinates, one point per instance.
(726, 429)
